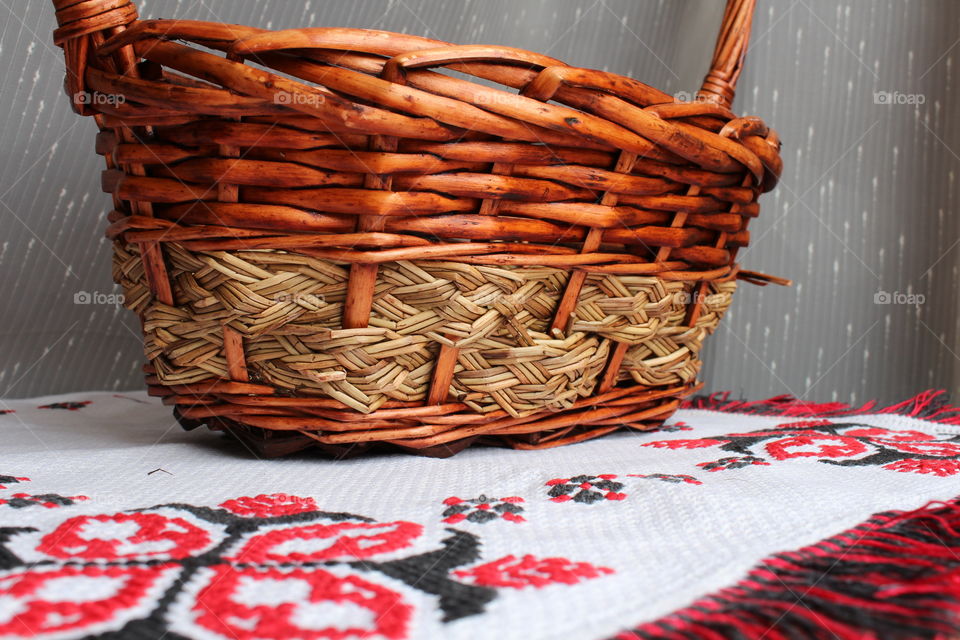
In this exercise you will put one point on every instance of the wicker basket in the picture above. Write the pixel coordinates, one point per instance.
(331, 241)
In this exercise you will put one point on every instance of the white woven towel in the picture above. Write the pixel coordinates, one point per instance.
(113, 519)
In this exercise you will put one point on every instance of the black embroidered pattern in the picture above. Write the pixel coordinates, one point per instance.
(68, 406)
(182, 564)
(482, 509)
(848, 444)
(5, 480)
(674, 478)
(48, 500)
(733, 462)
(931, 406)
(429, 572)
(586, 489)
(674, 426)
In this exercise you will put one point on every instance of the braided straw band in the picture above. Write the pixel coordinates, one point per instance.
(287, 307)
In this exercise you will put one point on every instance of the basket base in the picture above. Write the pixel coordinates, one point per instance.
(267, 444)
(644, 409)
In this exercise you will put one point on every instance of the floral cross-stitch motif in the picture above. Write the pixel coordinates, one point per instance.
(847, 444)
(255, 568)
(586, 489)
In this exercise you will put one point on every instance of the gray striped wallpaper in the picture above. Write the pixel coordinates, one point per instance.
(863, 93)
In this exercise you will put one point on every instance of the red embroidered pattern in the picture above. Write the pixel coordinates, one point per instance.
(684, 444)
(5, 480)
(46, 500)
(586, 489)
(274, 504)
(733, 462)
(126, 535)
(942, 468)
(318, 542)
(531, 572)
(843, 444)
(244, 572)
(483, 509)
(815, 446)
(252, 604)
(68, 598)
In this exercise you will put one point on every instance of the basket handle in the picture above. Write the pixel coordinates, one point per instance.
(78, 19)
(82, 23)
(720, 83)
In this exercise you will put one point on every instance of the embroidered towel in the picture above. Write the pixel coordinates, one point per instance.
(775, 519)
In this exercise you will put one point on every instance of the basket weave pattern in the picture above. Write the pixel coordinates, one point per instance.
(497, 317)
(332, 241)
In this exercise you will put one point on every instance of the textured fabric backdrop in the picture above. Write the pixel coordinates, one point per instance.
(867, 205)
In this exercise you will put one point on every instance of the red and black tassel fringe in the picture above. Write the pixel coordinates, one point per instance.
(896, 576)
(932, 406)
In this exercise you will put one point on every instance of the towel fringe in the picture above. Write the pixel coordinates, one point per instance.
(932, 405)
(897, 575)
